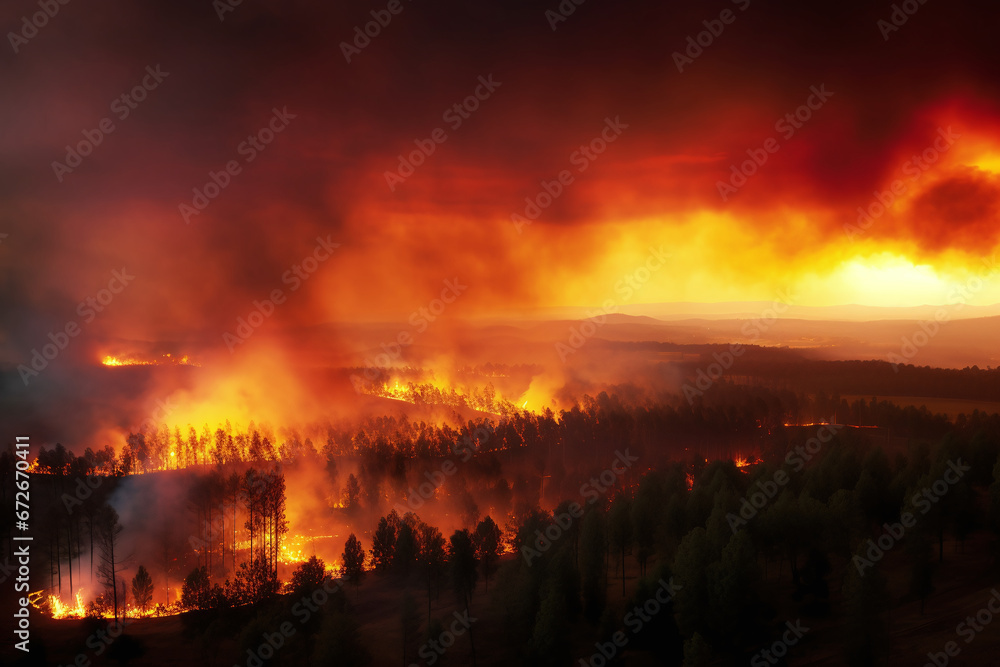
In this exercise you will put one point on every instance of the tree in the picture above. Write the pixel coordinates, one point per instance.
(733, 594)
(232, 497)
(353, 560)
(593, 547)
(142, 589)
(254, 581)
(407, 545)
(351, 492)
(384, 541)
(109, 530)
(646, 511)
(123, 601)
(690, 567)
(487, 542)
(196, 592)
(462, 558)
(307, 577)
(620, 530)
(431, 559)
(865, 632)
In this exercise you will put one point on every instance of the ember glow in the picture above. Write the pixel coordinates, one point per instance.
(165, 359)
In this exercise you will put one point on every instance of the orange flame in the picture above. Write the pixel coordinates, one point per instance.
(163, 360)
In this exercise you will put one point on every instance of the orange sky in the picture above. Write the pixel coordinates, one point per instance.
(835, 115)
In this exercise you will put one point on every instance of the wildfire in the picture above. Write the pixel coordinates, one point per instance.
(743, 463)
(291, 555)
(425, 387)
(163, 360)
(299, 548)
(61, 610)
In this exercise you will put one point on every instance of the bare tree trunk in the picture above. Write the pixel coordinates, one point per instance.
(69, 554)
(58, 560)
(114, 579)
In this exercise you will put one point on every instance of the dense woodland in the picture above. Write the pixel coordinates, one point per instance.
(551, 581)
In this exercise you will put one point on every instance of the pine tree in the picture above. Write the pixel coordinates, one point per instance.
(353, 560)
(142, 589)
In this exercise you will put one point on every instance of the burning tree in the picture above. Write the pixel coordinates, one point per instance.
(263, 495)
(351, 492)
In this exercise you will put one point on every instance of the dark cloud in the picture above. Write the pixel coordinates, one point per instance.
(959, 210)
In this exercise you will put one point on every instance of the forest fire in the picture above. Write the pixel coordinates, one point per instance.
(54, 606)
(427, 387)
(512, 315)
(744, 463)
(60, 610)
(163, 360)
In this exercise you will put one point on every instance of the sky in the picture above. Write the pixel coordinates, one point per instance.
(597, 156)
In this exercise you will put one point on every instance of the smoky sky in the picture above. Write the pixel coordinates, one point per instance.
(324, 174)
